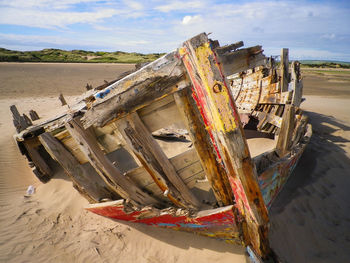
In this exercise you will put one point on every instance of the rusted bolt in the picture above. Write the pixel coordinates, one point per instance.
(217, 87)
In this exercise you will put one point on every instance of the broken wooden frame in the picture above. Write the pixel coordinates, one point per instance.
(210, 182)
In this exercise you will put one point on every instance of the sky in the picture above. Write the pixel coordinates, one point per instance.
(310, 29)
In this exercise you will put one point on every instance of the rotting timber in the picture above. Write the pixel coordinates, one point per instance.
(200, 140)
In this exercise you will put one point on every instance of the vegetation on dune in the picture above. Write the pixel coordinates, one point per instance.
(324, 64)
(78, 56)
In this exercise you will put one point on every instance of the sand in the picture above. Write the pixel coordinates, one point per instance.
(310, 220)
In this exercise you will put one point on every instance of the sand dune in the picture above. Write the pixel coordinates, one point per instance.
(310, 220)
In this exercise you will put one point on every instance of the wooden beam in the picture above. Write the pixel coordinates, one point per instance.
(219, 113)
(229, 48)
(297, 84)
(240, 60)
(62, 99)
(104, 167)
(284, 140)
(284, 69)
(152, 82)
(32, 148)
(33, 115)
(215, 173)
(265, 117)
(90, 185)
(154, 159)
(19, 121)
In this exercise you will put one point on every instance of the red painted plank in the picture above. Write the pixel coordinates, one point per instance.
(218, 223)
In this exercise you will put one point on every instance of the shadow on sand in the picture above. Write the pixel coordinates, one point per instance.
(310, 219)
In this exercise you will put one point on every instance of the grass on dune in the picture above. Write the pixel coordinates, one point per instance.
(78, 56)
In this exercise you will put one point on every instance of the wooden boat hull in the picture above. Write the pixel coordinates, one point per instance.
(219, 223)
(109, 146)
(273, 179)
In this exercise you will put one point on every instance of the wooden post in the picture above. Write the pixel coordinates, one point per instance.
(104, 167)
(88, 86)
(215, 173)
(62, 99)
(33, 115)
(284, 140)
(284, 69)
(27, 120)
(90, 185)
(19, 121)
(219, 113)
(297, 84)
(152, 156)
(31, 147)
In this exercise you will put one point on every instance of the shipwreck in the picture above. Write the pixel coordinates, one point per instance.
(201, 140)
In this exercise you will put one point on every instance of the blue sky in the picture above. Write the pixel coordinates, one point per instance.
(310, 29)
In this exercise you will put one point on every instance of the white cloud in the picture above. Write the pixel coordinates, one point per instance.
(330, 36)
(160, 25)
(190, 19)
(45, 19)
(180, 5)
(52, 4)
(134, 5)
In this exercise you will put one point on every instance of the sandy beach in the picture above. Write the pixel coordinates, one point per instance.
(310, 219)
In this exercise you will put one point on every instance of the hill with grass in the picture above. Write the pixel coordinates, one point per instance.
(75, 56)
(324, 64)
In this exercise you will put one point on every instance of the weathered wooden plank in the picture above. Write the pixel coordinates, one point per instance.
(267, 117)
(183, 163)
(240, 60)
(284, 69)
(228, 48)
(149, 163)
(284, 141)
(152, 82)
(276, 98)
(297, 84)
(108, 172)
(157, 115)
(219, 222)
(184, 159)
(145, 145)
(19, 121)
(33, 115)
(222, 121)
(32, 148)
(299, 129)
(62, 99)
(15, 112)
(90, 185)
(66, 139)
(189, 171)
(205, 150)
